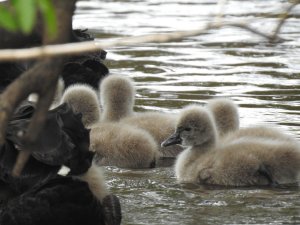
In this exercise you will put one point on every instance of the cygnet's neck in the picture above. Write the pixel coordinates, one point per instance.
(115, 112)
(211, 141)
(209, 144)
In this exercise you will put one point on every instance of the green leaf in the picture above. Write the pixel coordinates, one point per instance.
(25, 14)
(7, 20)
(49, 15)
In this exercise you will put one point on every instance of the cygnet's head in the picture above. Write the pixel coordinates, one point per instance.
(225, 113)
(84, 100)
(195, 127)
(117, 95)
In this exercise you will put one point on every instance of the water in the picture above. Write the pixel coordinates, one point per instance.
(263, 78)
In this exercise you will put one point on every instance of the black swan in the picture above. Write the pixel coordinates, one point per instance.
(39, 195)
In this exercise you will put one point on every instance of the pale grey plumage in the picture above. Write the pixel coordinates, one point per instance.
(117, 98)
(84, 100)
(241, 159)
(225, 113)
(122, 145)
(115, 143)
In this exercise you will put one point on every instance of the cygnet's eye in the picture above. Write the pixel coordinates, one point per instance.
(187, 129)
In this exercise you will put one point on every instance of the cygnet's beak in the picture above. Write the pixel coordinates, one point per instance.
(172, 140)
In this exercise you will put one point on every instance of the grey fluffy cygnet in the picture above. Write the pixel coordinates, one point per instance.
(115, 144)
(83, 99)
(117, 95)
(243, 159)
(123, 145)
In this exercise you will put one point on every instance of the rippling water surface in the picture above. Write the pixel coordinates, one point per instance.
(263, 78)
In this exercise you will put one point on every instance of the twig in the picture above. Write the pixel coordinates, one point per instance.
(243, 26)
(89, 46)
(282, 20)
(40, 79)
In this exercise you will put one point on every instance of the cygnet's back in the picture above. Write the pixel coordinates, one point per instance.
(122, 145)
(259, 132)
(226, 115)
(84, 100)
(117, 97)
(252, 161)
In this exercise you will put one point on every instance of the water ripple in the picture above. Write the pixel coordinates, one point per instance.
(262, 78)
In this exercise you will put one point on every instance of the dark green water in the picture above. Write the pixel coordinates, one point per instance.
(263, 78)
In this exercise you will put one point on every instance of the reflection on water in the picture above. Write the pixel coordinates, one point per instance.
(263, 78)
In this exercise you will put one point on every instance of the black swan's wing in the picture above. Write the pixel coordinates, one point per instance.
(53, 145)
(90, 71)
(8, 73)
(63, 141)
(60, 201)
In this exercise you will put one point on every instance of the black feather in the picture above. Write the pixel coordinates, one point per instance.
(8, 73)
(59, 201)
(89, 72)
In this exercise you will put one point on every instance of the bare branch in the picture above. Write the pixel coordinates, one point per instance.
(244, 26)
(282, 20)
(47, 51)
(89, 46)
